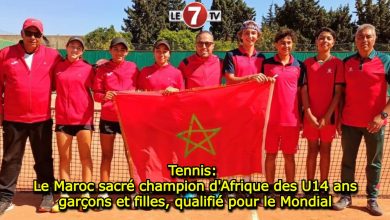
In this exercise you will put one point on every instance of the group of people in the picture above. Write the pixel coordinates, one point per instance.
(327, 90)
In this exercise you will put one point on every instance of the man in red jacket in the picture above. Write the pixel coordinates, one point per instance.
(202, 69)
(25, 89)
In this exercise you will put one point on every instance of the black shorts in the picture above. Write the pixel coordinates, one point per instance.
(73, 129)
(109, 127)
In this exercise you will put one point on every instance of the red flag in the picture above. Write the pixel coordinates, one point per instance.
(222, 127)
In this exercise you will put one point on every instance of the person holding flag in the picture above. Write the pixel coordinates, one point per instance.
(161, 76)
(244, 63)
(112, 77)
(202, 69)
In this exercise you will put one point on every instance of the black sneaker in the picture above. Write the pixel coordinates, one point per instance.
(5, 206)
(100, 208)
(344, 202)
(373, 207)
(46, 203)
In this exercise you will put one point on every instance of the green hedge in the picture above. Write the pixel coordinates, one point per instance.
(145, 58)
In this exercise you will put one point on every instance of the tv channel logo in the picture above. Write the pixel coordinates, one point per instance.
(195, 15)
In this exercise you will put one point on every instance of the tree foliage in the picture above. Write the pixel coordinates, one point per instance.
(269, 28)
(340, 22)
(145, 19)
(221, 45)
(302, 16)
(266, 43)
(100, 38)
(305, 17)
(185, 40)
(148, 20)
(173, 5)
(377, 14)
(179, 40)
(234, 12)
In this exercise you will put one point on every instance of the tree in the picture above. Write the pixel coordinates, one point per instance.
(266, 43)
(145, 20)
(340, 22)
(365, 11)
(269, 28)
(221, 45)
(384, 22)
(185, 40)
(270, 19)
(177, 5)
(234, 12)
(305, 17)
(100, 38)
(302, 16)
(180, 40)
(376, 14)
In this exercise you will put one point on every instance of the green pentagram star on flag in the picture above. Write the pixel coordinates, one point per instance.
(207, 134)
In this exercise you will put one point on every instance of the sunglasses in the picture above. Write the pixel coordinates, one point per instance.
(207, 44)
(30, 34)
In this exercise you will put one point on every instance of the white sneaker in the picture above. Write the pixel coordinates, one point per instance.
(5, 206)
(10, 207)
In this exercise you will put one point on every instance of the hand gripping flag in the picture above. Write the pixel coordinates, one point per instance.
(222, 127)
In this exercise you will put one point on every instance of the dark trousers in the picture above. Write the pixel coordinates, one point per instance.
(15, 135)
(350, 141)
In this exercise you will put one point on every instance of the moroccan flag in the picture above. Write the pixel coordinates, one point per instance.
(222, 127)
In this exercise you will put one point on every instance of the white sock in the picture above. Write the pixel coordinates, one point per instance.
(103, 195)
(64, 195)
(85, 195)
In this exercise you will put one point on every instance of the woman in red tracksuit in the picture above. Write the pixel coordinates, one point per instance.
(111, 77)
(161, 76)
(74, 109)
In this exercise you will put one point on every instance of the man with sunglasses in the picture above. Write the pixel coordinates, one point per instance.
(25, 90)
(202, 69)
(364, 114)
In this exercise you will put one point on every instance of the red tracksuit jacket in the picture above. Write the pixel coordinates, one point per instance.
(26, 92)
(113, 77)
(74, 103)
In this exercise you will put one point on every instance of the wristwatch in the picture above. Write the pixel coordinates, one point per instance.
(384, 115)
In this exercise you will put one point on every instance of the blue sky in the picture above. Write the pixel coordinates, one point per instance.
(78, 17)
